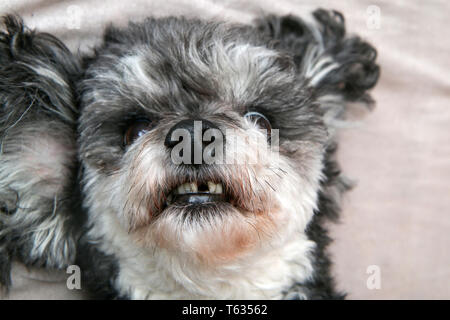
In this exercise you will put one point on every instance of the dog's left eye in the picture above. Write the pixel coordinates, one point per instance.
(259, 119)
(136, 130)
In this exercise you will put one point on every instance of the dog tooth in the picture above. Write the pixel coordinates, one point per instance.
(193, 186)
(219, 188)
(187, 188)
(211, 187)
(181, 189)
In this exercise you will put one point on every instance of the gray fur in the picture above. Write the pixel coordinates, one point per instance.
(37, 148)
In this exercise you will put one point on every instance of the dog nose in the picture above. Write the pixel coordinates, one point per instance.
(195, 128)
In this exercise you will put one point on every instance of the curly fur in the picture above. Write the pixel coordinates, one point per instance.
(37, 148)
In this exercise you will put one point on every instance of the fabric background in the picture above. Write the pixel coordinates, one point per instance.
(397, 217)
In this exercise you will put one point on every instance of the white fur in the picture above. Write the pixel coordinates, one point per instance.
(135, 76)
(316, 64)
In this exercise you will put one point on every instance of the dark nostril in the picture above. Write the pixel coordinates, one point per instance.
(194, 129)
(187, 124)
(190, 125)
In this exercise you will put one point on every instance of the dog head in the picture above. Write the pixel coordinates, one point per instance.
(267, 95)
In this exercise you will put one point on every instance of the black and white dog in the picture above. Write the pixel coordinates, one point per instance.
(88, 170)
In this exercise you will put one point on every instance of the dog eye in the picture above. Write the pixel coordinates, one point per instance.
(136, 130)
(259, 119)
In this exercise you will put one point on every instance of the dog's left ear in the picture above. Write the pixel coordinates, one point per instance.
(340, 68)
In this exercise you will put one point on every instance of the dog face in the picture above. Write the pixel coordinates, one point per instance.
(146, 83)
(161, 99)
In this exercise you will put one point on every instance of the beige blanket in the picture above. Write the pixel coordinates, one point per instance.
(397, 219)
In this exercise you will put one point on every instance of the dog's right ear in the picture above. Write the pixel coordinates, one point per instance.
(340, 68)
(38, 118)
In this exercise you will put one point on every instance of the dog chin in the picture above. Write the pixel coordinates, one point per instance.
(213, 233)
(209, 222)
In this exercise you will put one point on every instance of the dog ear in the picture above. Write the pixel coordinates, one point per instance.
(37, 148)
(340, 68)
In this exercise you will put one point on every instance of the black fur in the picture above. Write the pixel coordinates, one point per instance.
(358, 71)
(100, 279)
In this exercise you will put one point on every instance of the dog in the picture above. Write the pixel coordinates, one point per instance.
(38, 116)
(147, 213)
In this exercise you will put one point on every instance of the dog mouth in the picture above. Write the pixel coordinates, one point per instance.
(204, 193)
(197, 193)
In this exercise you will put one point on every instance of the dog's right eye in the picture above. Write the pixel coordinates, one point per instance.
(137, 129)
(259, 119)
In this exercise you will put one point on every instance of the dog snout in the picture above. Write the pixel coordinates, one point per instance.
(193, 129)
